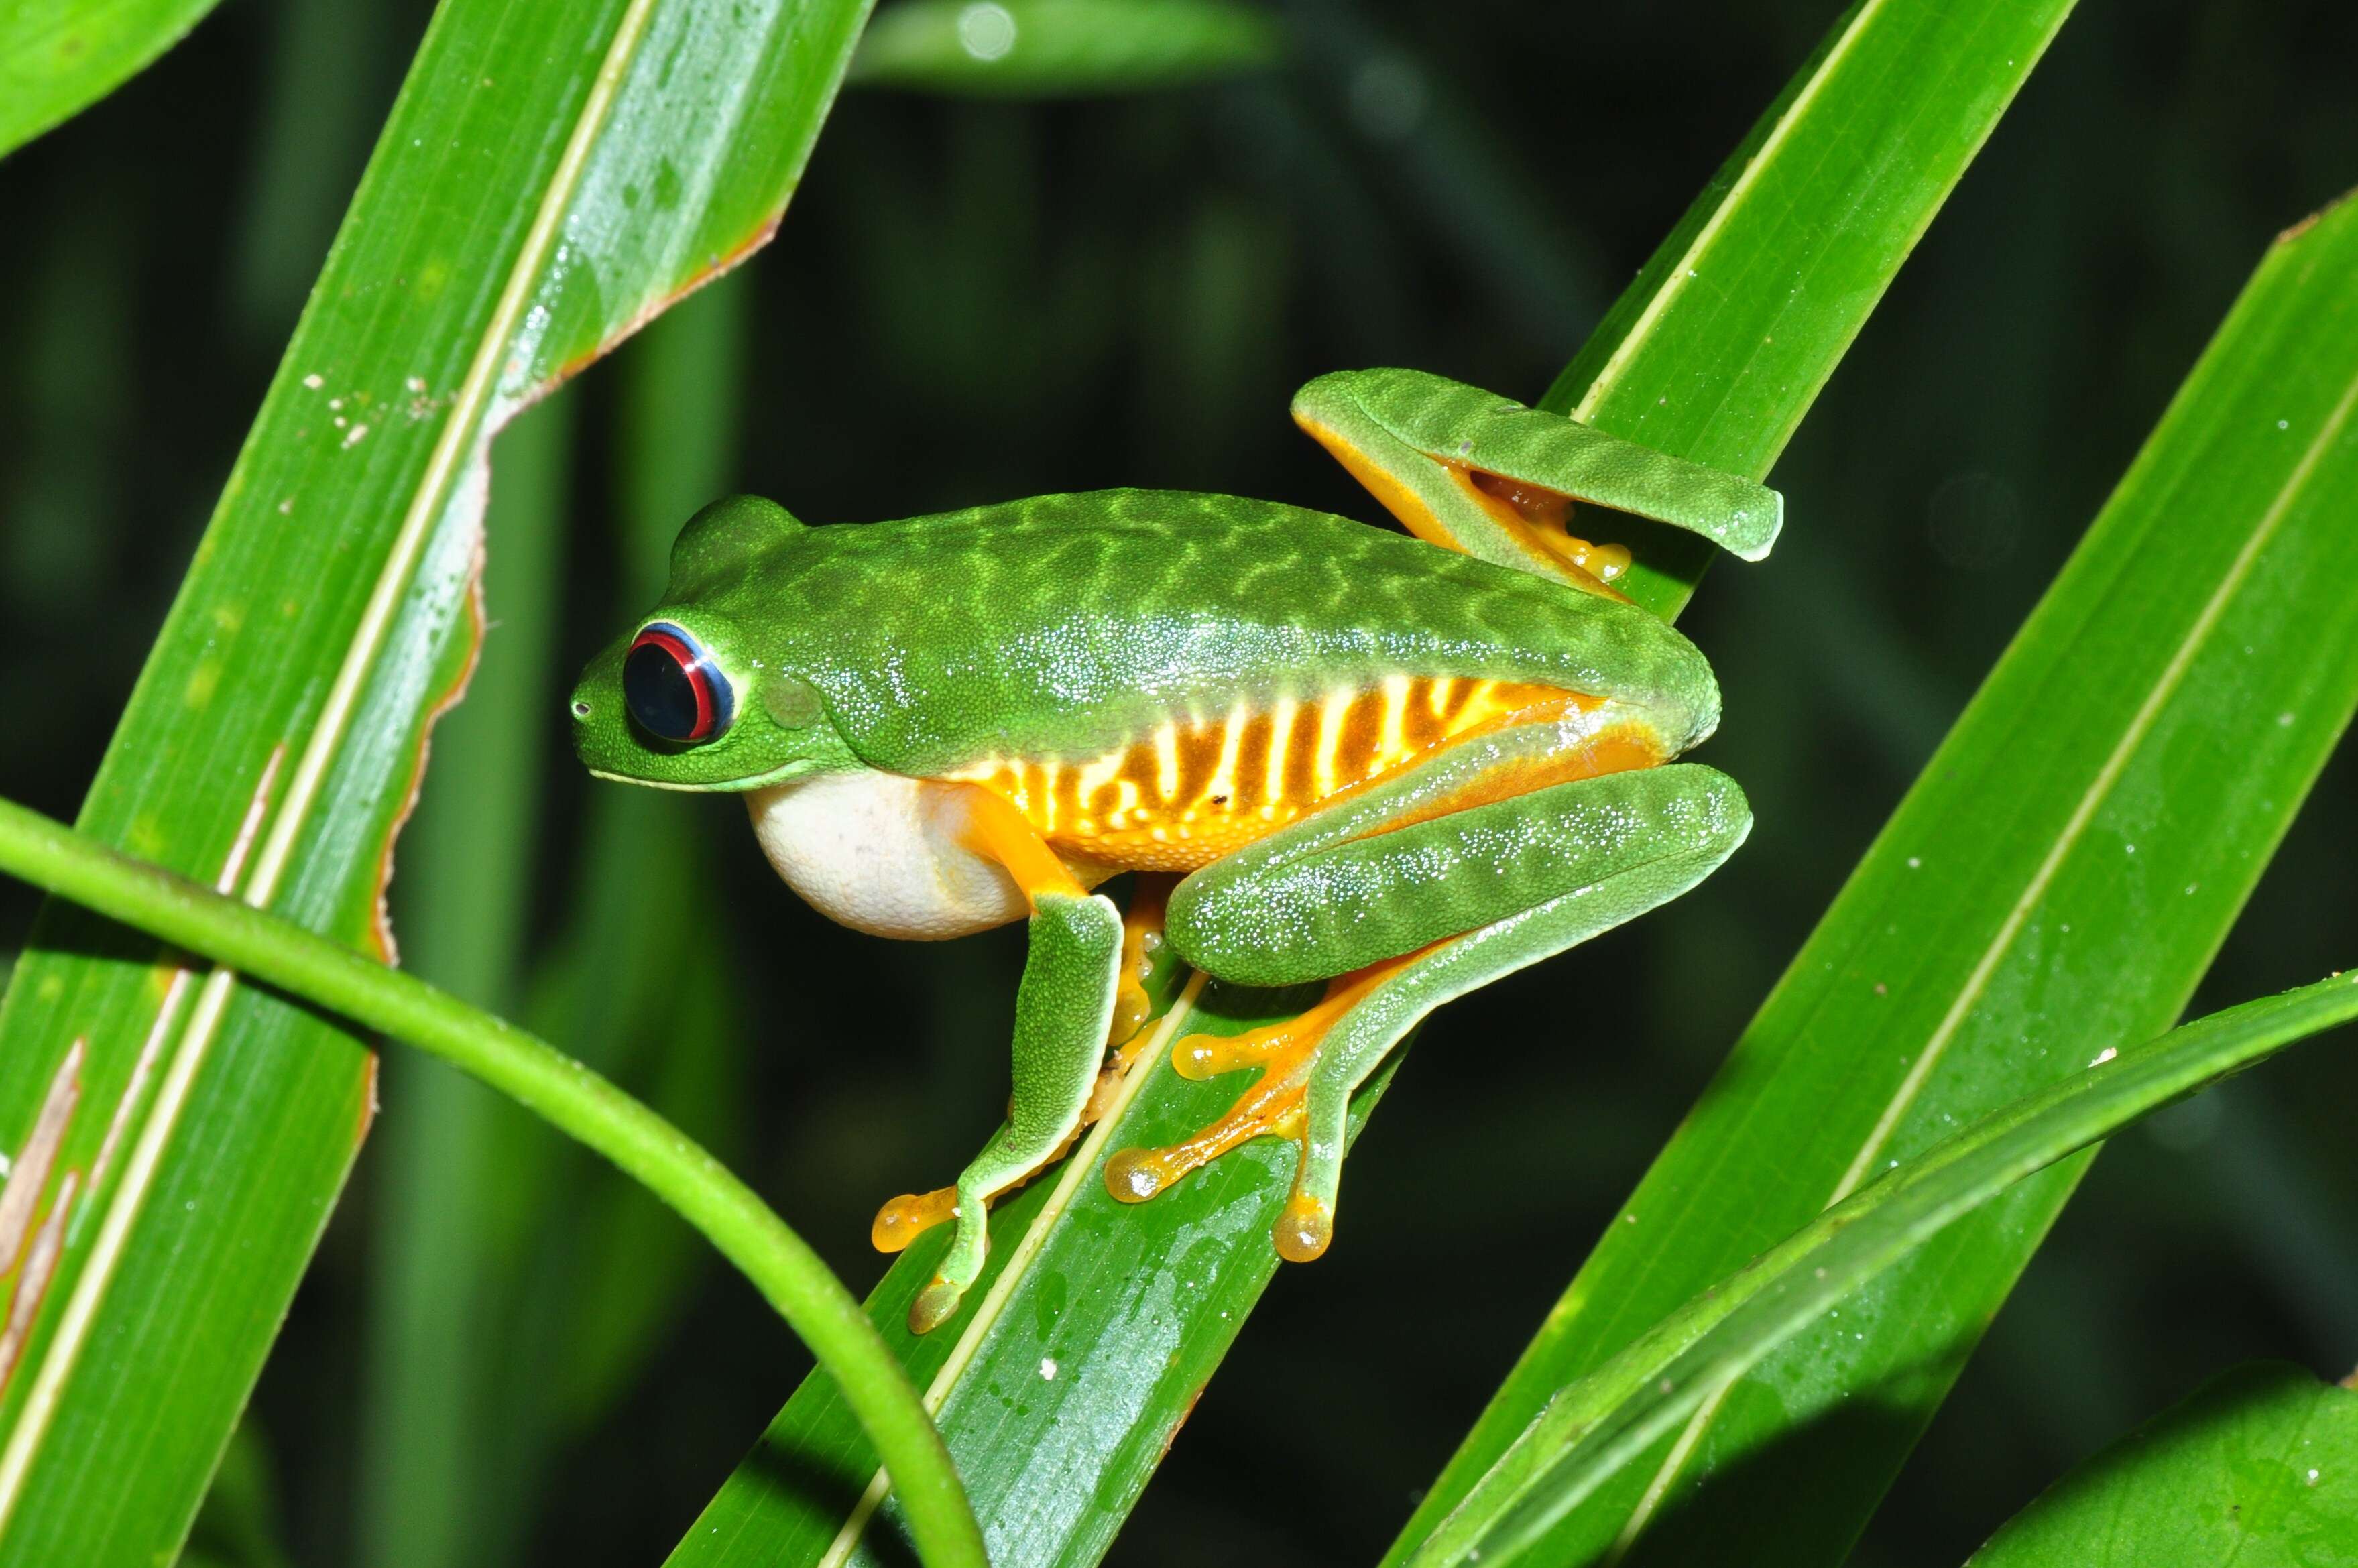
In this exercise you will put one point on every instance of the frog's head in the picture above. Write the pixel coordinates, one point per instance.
(694, 697)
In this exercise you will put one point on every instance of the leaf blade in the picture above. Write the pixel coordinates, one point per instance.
(2260, 1466)
(57, 61)
(2079, 847)
(1614, 1414)
(279, 724)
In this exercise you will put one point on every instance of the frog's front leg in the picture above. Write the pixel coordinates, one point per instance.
(1404, 897)
(1482, 474)
(1064, 1008)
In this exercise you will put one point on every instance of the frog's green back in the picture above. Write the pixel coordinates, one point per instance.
(1064, 626)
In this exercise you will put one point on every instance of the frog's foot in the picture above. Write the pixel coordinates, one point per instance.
(1142, 938)
(910, 1215)
(968, 1206)
(1542, 519)
(904, 1219)
(1287, 1053)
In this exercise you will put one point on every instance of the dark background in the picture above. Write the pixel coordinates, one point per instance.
(969, 302)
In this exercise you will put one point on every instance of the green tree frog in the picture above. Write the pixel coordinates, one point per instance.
(1397, 769)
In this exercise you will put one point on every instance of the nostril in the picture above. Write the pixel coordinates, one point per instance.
(580, 710)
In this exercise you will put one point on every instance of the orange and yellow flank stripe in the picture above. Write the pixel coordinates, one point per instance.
(1191, 791)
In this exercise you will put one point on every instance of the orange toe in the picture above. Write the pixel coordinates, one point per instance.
(906, 1217)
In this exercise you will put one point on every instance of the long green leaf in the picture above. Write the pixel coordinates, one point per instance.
(2258, 1467)
(551, 175)
(59, 57)
(1593, 1428)
(1069, 1376)
(2075, 851)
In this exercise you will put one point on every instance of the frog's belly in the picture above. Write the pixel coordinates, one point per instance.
(869, 850)
(1191, 791)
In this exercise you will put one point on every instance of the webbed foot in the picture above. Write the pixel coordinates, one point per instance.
(1287, 1054)
(904, 1219)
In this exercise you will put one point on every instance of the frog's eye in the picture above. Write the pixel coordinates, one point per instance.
(672, 686)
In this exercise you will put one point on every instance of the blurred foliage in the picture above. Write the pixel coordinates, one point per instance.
(1053, 49)
(973, 302)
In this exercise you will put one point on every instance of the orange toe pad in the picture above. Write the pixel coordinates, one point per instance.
(905, 1218)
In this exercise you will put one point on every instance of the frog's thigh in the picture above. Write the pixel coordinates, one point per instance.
(1422, 913)
(1624, 841)
(1360, 1039)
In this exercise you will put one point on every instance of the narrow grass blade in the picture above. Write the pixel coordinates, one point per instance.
(1059, 48)
(2258, 1467)
(2075, 851)
(59, 57)
(1069, 1378)
(640, 978)
(552, 175)
(448, 1437)
(520, 1285)
(1613, 1415)
(560, 1089)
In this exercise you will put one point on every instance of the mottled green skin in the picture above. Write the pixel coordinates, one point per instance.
(1064, 626)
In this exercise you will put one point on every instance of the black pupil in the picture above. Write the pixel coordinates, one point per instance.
(660, 692)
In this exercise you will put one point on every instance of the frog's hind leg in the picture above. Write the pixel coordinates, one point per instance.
(1427, 911)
